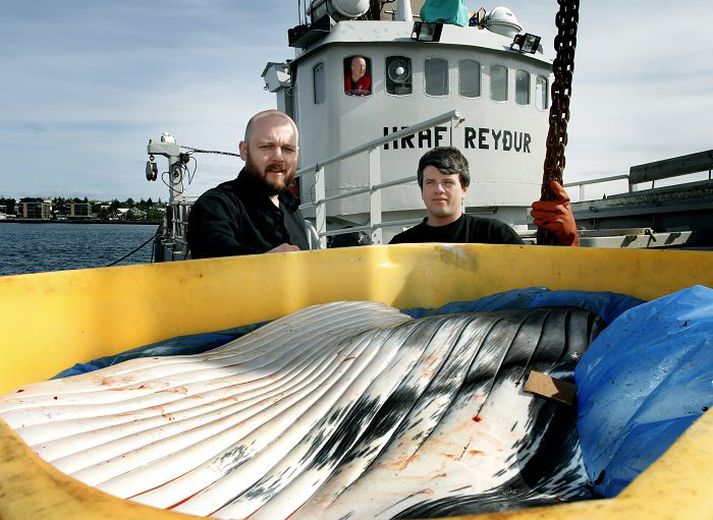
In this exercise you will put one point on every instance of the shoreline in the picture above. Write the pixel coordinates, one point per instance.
(93, 221)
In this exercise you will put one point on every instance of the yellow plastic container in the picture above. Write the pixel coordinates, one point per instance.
(50, 321)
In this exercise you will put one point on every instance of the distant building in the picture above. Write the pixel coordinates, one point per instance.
(130, 214)
(3, 211)
(37, 209)
(137, 214)
(79, 210)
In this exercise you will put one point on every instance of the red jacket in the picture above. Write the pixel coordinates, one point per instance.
(361, 88)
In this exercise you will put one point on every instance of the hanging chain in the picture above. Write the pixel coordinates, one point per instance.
(563, 68)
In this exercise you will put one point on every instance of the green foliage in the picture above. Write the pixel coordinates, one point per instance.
(9, 204)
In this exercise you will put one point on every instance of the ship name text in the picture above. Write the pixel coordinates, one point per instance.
(474, 138)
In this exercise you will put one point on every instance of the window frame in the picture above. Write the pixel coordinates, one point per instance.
(545, 93)
(346, 68)
(388, 80)
(323, 83)
(446, 76)
(507, 82)
(479, 76)
(519, 73)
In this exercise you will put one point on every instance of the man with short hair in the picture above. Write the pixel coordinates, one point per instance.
(356, 81)
(254, 213)
(444, 178)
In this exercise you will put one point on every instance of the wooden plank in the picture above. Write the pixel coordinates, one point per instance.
(692, 163)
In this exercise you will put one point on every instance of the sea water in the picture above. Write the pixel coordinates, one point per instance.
(34, 248)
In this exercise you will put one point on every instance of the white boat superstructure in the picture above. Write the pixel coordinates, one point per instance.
(500, 92)
(484, 88)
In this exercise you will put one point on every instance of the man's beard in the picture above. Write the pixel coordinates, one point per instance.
(271, 186)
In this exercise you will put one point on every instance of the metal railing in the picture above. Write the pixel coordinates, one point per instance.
(375, 186)
(651, 172)
(582, 184)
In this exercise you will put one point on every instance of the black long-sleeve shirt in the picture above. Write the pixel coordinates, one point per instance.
(238, 218)
(467, 229)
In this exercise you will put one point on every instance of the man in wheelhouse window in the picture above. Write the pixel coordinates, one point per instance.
(356, 81)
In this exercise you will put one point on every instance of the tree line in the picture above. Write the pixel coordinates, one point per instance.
(104, 210)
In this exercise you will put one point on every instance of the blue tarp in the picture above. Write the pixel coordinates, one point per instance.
(606, 305)
(178, 346)
(642, 382)
(447, 11)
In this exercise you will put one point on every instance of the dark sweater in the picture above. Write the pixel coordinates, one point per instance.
(238, 218)
(467, 229)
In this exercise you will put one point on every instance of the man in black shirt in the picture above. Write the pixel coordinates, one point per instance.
(254, 213)
(444, 178)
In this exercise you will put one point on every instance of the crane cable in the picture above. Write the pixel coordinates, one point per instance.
(566, 20)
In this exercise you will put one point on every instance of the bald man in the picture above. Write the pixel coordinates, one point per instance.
(356, 81)
(254, 213)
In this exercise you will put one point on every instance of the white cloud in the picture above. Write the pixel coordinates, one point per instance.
(86, 84)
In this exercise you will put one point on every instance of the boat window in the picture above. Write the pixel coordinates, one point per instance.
(398, 75)
(498, 83)
(541, 93)
(469, 78)
(319, 83)
(522, 87)
(357, 76)
(436, 72)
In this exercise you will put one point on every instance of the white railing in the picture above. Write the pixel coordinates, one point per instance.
(375, 186)
(582, 184)
(694, 163)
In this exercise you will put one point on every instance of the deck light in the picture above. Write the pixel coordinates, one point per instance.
(426, 31)
(151, 169)
(526, 42)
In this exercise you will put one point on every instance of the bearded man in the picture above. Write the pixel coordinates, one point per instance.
(254, 213)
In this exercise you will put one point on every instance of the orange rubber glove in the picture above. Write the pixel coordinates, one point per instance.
(556, 216)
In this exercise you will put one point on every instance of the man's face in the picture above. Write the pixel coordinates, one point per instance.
(358, 68)
(271, 153)
(443, 195)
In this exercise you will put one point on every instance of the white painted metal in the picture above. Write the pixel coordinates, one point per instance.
(403, 11)
(375, 195)
(351, 8)
(599, 180)
(506, 179)
(321, 209)
(373, 188)
(503, 21)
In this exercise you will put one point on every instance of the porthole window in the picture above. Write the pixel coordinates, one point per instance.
(436, 72)
(498, 83)
(542, 93)
(319, 83)
(522, 87)
(398, 75)
(469, 78)
(357, 76)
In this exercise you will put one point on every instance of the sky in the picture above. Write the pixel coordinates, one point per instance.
(84, 85)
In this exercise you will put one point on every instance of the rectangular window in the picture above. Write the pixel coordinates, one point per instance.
(522, 87)
(319, 83)
(498, 83)
(357, 76)
(469, 78)
(436, 72)
(398, 75)
(541, 93)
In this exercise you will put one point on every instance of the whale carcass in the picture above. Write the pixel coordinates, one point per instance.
(342, 410)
